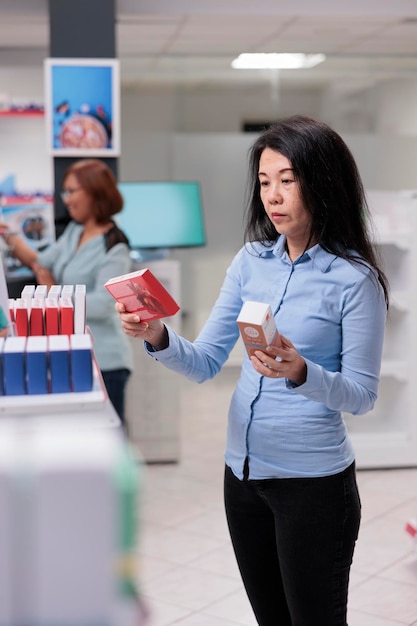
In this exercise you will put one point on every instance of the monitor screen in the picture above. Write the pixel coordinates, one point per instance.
(166, 214)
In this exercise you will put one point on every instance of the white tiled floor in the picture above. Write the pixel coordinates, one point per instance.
(187, 570)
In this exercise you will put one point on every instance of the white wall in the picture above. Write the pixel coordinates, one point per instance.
(23, 148)
(215, 108)
(397, 110)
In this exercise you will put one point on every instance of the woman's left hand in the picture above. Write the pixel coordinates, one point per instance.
(282, 362)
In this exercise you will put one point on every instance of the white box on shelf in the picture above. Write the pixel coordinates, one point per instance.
(79, 309)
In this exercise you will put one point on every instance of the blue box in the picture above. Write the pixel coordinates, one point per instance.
(59, 363)
(81, 362)
(37, 365)
(14, 357)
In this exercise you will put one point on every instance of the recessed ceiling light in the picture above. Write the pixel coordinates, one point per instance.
(277, 60)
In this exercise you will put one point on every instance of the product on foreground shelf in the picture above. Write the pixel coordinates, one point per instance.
(69, 502)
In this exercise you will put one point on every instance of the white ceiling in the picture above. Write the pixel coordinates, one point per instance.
(192, 42)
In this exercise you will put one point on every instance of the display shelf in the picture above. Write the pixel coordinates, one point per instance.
(383, 450)
(389, 413)
(398, 370)
(21, 113)
(57, 403)
(402, 241)
(397, 331)
(387, 435)
(400, 301)
(397, 264)
(153, 394)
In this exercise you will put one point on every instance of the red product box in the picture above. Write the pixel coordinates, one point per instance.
(11, 309)
(51, 316)
(54, 292)
(66, 317)
(257, 327)
(21, 317)
(142, 293)
(37, 316)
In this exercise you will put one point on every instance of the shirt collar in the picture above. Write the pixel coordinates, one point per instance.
(316, 253)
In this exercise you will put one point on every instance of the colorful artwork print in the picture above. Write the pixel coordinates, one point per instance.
(82, 107)
(32, 218)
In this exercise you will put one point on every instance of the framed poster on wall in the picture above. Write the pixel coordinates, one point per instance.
(32, 218)
(82, 107)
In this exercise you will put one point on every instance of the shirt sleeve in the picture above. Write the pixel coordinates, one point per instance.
(204, 358)
(49, 256)
(354, 388)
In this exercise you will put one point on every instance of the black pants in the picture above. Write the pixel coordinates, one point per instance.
(115, 381)
(294, 540)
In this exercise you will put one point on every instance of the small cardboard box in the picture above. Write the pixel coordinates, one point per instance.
(257, 326)
(37, 364)
(14, 366)
(59, 363)
(142, 292)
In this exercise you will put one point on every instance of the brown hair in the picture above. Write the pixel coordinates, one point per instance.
(99, 182)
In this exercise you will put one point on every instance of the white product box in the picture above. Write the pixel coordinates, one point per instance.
(257, 326)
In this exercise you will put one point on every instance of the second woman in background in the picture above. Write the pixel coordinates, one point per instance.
(91, 250)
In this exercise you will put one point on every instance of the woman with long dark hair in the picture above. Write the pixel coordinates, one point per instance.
(291, 497)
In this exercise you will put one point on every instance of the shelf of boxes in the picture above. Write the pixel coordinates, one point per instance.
(47, 364)
(18, 113)
(60, 451)
(387, 435)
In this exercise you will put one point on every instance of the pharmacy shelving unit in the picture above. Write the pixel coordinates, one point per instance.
(58, 454)
(87, 409)
(386, 437)
(153, 391)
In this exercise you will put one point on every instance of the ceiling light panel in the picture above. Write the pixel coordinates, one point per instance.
(274, 60)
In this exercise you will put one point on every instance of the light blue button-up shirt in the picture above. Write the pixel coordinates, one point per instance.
(334, 313)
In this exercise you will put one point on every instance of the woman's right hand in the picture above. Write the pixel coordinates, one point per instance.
(152, 331)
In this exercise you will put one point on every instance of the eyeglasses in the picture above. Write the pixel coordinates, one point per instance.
(66, 193)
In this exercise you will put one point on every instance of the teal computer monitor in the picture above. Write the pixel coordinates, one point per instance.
(162, 214)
